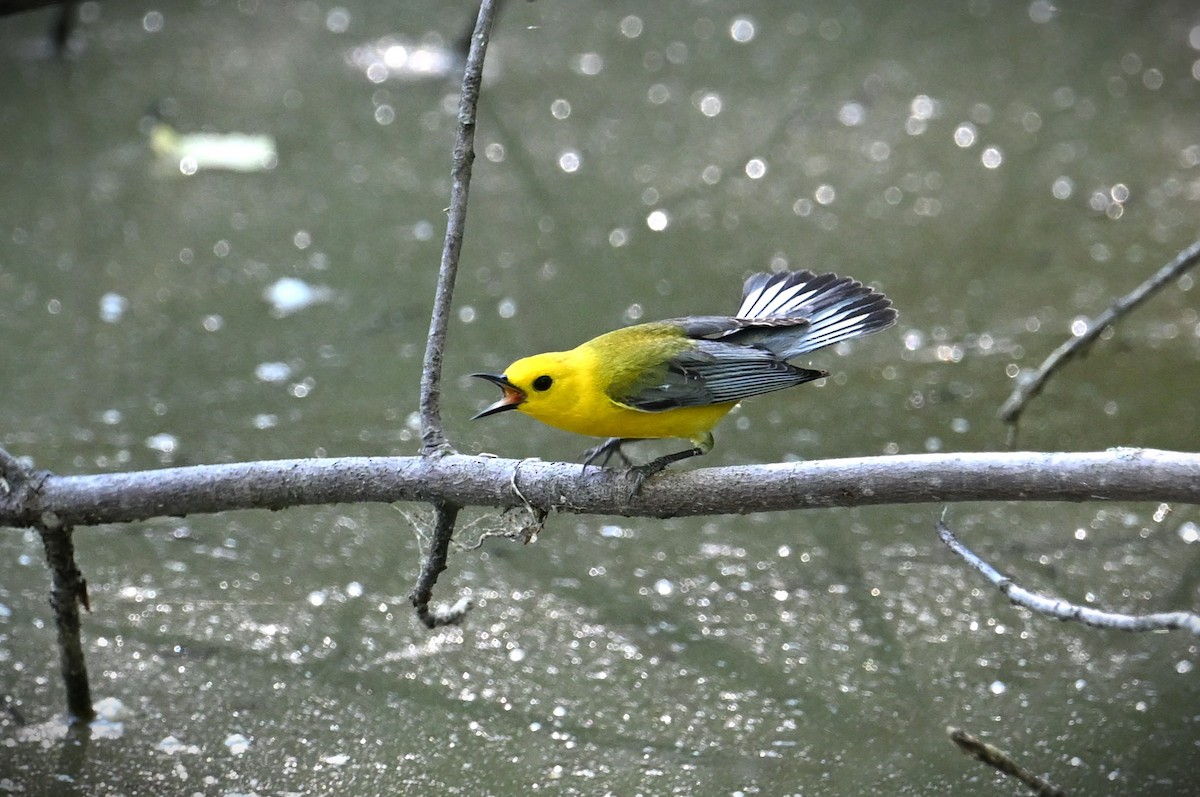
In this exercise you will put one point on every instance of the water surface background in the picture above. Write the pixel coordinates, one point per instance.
(1001, 170)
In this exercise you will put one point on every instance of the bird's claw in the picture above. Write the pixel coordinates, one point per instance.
(601, 455)
(636, 474)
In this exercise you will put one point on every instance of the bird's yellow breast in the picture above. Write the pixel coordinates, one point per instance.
(584, 380)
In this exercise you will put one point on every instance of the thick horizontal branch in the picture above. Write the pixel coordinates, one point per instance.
(1126, 474)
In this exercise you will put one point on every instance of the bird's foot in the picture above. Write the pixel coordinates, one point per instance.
(639, 473)
(601, 455)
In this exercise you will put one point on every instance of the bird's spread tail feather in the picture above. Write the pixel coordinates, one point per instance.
(835, 308)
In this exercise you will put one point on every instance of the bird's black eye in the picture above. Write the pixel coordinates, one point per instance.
(543, 382)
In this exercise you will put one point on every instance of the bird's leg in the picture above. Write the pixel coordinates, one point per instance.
(704, 444)
(607, 450)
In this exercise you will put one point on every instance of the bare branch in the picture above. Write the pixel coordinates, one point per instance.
(12, 470)
(1029, 386)
(67, 593)
(435, 563)
(433, 435)
(1002, 762)
(1063, 610)
(1129, 474)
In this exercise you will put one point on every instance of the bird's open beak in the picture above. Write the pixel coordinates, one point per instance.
(513, 395)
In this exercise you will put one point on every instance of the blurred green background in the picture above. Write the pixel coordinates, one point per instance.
(999, 169)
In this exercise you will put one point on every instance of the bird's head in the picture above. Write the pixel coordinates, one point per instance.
(543, 386)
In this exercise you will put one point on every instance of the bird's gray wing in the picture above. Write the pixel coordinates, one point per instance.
(712, 372)
(713, 327)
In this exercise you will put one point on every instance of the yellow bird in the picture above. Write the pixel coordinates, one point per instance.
(679, 377)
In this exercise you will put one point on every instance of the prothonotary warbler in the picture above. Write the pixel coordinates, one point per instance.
(678, 378)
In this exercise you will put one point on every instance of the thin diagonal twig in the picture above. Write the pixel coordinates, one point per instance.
(1002, 762)
(433, 434)
(1064, 610)
(1029, 386)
